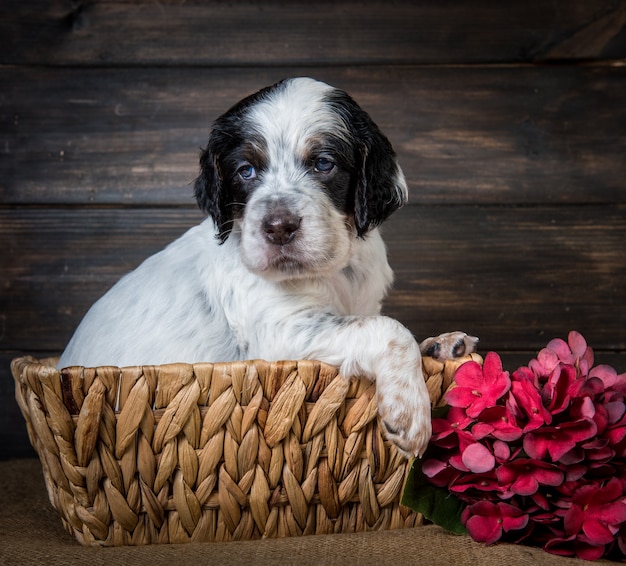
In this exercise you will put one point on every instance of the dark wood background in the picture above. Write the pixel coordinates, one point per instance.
(509, 119)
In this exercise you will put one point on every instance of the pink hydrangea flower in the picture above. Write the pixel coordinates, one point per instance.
(526, 404)
(524, 476)
(575, 352)
(597, 511)
(486, 521)
(477, 387)
(556, 441)
(538, 455)
(499, 422)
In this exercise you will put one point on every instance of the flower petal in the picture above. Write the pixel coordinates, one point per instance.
(577, 344)
(606, 373)
(478, 458)
(484, 529)
(561, 349)
(597, 531)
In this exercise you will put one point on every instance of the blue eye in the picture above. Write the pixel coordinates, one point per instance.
(247, 172)
(324, 165)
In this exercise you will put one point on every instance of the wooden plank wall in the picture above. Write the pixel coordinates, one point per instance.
(509, 120)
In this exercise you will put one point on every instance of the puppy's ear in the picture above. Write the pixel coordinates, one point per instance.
(380, 187)
(210, 191)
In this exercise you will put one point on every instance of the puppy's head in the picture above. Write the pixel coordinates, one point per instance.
(298, 170)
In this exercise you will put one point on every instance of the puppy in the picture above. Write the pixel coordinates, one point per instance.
(289, 263)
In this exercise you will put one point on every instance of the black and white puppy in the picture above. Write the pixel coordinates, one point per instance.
(289, 265)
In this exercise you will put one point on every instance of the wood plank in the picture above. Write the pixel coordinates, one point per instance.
(464, 135)
(514, 276)
(273, 32)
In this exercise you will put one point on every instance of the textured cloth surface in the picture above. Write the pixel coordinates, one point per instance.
(31, 533)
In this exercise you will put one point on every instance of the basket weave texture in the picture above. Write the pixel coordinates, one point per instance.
(214, 452)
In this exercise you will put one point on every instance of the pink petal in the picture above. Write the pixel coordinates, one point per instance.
(609, 493)
(506, 474)
(546, 361)
(478, 458)
(589, 551)
(498, 421)
(616, 435)
(431, 467)
(550, 476)
(614, 513)
(577, 344)
(556, 389)
(501, 450)
(557, 441)
(480, 482)
(597, 531)
(459, 397)
(587, 408)
(481, 430)
(606, 373)
(536, 446)
(529, 401)
(525, 485)
(615, 410)
(561, 349)
(573, 520)
(456, 462)
(561, 546)
(498, 380)
(484, 529)
(514, 522)
(492, 366)
(470, 375)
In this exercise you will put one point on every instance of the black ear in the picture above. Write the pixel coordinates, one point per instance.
(214, 190)
(379, 186)
(211, 193)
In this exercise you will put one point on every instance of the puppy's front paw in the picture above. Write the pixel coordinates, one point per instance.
(449, 346)
(406, 422)
(404, 405)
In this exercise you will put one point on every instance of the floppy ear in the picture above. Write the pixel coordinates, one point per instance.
(210, 191)
(214, 191)
(379, 186)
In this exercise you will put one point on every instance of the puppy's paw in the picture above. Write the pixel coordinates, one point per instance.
(405, 410)
(449, 346)
(407, 424)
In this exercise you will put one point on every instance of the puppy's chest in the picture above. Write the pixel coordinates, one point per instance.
(349, 292)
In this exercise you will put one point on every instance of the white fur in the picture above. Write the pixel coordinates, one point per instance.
(202, 300)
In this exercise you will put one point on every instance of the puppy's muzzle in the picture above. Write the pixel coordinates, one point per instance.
(280, 227)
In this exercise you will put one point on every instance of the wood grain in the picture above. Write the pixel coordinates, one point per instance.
(514, 276)
(270, 33)
(523, 135)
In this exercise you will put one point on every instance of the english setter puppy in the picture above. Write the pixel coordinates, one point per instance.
(289, 263)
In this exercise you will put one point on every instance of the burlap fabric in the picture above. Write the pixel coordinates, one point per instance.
(31, 533)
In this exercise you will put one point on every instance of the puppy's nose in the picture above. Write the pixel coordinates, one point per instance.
(280, 227)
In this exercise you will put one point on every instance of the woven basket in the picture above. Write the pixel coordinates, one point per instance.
(214, 452)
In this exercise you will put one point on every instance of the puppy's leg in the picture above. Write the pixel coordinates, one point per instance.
(380, 349)
(449, 346)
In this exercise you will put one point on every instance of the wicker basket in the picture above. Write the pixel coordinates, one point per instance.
(213, 452)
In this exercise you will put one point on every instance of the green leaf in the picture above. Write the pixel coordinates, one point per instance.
(435, 503)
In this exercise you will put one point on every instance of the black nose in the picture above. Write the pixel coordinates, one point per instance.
(280, 227)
